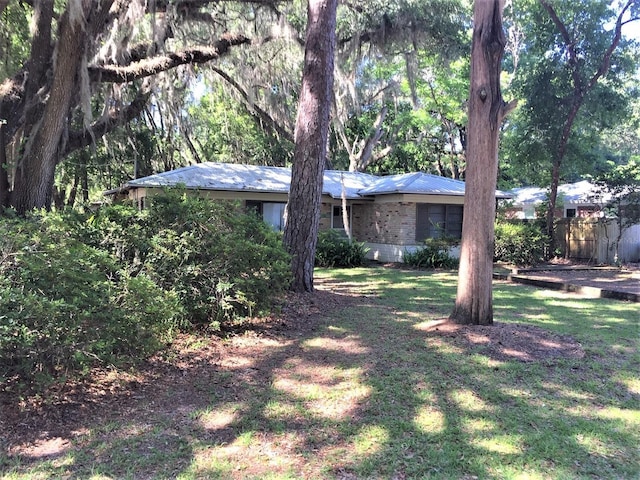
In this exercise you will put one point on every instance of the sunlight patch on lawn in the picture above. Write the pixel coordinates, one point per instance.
(242, 458)
(430, 420)
(631, 382)
(469, 400)
(595, 445)
(350, 344)
(629, 416)
(220, 417)
(371, 439)
(326, 391)
(476, 426)
(560, 391)
(504, 444)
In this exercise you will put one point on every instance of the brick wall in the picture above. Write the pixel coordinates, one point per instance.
(390, 223)
(325, 216)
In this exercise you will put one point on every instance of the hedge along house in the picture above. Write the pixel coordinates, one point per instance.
(390, 214)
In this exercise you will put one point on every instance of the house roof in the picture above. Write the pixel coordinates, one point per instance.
(583, 192)
(416, 182)
(252, 178)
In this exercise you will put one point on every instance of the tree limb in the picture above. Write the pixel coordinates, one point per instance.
(568, 41)
(255, 109)
(606, 60)
(155, 65)
(107, 123)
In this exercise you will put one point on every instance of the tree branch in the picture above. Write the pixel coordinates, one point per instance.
(155, 65)
(568, 41)
(255, 109)
(606, 60)
(107, 123)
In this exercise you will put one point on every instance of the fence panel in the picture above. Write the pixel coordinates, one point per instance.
(594, 240)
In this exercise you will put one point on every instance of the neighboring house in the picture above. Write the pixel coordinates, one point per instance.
(584, 233)
(579, 199)
(390, 214)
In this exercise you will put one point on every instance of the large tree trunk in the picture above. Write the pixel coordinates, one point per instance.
(312, 127)
(33, 184)
(474, 301)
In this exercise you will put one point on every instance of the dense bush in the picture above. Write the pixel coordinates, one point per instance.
(65, 305)
(519, 243)
(115, 285)
(222, 262)
(434, 254)
(335, 250)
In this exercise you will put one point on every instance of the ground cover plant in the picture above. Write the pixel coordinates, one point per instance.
(360, 380)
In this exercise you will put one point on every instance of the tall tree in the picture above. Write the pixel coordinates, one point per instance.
(487, 109)
(81, 51)
(312, 128)
(572, 66)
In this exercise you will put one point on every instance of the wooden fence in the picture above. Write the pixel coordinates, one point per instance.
(594, 240)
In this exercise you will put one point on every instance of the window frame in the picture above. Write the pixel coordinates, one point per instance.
(449, 226)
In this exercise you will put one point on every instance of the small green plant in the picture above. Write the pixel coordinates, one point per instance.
(335, 250)
(519, 243)
(434, 254)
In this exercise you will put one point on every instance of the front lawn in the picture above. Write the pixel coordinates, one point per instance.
(357, 381)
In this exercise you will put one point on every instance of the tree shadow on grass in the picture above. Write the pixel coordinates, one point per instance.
(352, 388)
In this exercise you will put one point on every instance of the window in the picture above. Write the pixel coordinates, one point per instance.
(271, 212)
(437, 221)
(571, 213)
(336, 218)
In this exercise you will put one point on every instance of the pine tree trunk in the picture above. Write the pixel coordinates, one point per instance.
(474, 300)
(312, 127)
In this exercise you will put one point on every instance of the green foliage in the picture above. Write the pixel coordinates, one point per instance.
(335, 250)
(519, 243)
(549, 85)
(65, 305)
(228, 132)
(223, 262)
(115, 285)
(434, 254)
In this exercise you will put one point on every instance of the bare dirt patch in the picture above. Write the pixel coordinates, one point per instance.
(508, 341)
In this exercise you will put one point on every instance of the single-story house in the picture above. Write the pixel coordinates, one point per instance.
(390, 214)
(580, 199)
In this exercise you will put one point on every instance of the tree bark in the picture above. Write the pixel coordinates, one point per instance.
(312, 128)
(474, 300)
(38, 103)
(4, 174)
(33, 185)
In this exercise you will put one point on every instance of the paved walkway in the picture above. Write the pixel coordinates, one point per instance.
(604, 282)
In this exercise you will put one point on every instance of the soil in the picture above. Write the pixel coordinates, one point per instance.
(37, 426)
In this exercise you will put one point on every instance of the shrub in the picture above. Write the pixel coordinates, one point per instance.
(66, 306)
(434, 254)
(335, 250)
(222, 262)
(519, 243)
(114, 286)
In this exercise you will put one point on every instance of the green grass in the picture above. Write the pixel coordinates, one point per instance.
(369, 395)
